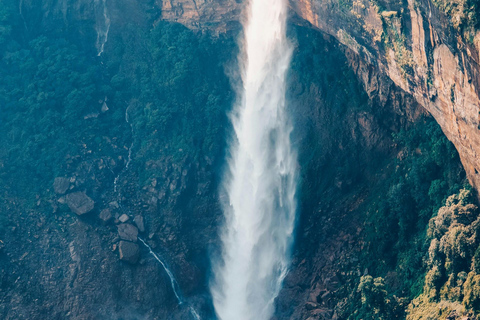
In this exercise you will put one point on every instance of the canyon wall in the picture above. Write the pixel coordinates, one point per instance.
(432, 56)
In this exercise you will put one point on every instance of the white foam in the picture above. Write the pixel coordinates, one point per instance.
(261, 181)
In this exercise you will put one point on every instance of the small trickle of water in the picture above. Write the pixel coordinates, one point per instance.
(173, 282)
(102, 25)
(129, 157)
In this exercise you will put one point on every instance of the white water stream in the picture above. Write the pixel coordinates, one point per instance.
(261, 181)
(173, 282)
(102, 25)
(129, 157)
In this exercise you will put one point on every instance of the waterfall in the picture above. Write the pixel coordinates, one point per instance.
(129, 157)
(102, 26)
(261, 181)
(173, 282)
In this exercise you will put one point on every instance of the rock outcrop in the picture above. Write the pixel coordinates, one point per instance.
(79, 202)
(127, 232)
(61, 185)
(414, 44)
(128, 251)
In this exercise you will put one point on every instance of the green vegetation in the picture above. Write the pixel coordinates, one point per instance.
(185, 94)
(464, 14)
(51, 94)
(48, 88)
(394, 39)
(426, 172)
(452, 282)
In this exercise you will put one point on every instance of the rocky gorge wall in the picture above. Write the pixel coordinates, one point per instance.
(56, 264)
(414, 43)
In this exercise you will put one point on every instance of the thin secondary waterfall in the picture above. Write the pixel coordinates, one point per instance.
(261, 182)
(173, 281)
(102, 25)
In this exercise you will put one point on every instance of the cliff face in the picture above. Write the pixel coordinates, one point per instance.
(431, 56)
(422, 52)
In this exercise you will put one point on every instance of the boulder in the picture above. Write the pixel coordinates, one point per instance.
(123, 218)
(128, 251)
(79, 202)
(139, 222)
(104, 107)
(127, 232)
(61, 185)
(106, 215)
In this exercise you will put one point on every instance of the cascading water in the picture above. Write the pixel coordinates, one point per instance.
(102, 25)
(129, 157)
(261, 183)
(173, 282)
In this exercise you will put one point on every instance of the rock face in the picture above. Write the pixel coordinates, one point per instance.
(127, 232)
(222, 15)
(416, 47)
(139, 222)
(105, 215)
(128, 251)
(79, 202)
(61, 185)
(414, 44)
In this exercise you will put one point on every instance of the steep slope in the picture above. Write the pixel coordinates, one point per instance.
(373, 171)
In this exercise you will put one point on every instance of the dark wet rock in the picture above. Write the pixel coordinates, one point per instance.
(106, 215)
(61, 185)
(139, 222)
(127, 232)
(79, 202)
(128, 251)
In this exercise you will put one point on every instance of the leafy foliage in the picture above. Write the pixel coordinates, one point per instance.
(48, 89)
(426, 171)
(452, 284)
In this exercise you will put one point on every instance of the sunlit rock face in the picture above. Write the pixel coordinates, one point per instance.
(416, 46)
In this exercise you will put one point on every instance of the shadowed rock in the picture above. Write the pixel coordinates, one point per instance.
(139, 222)
(128, 251)
(79, 202)
(127, 232)
(106, 215)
